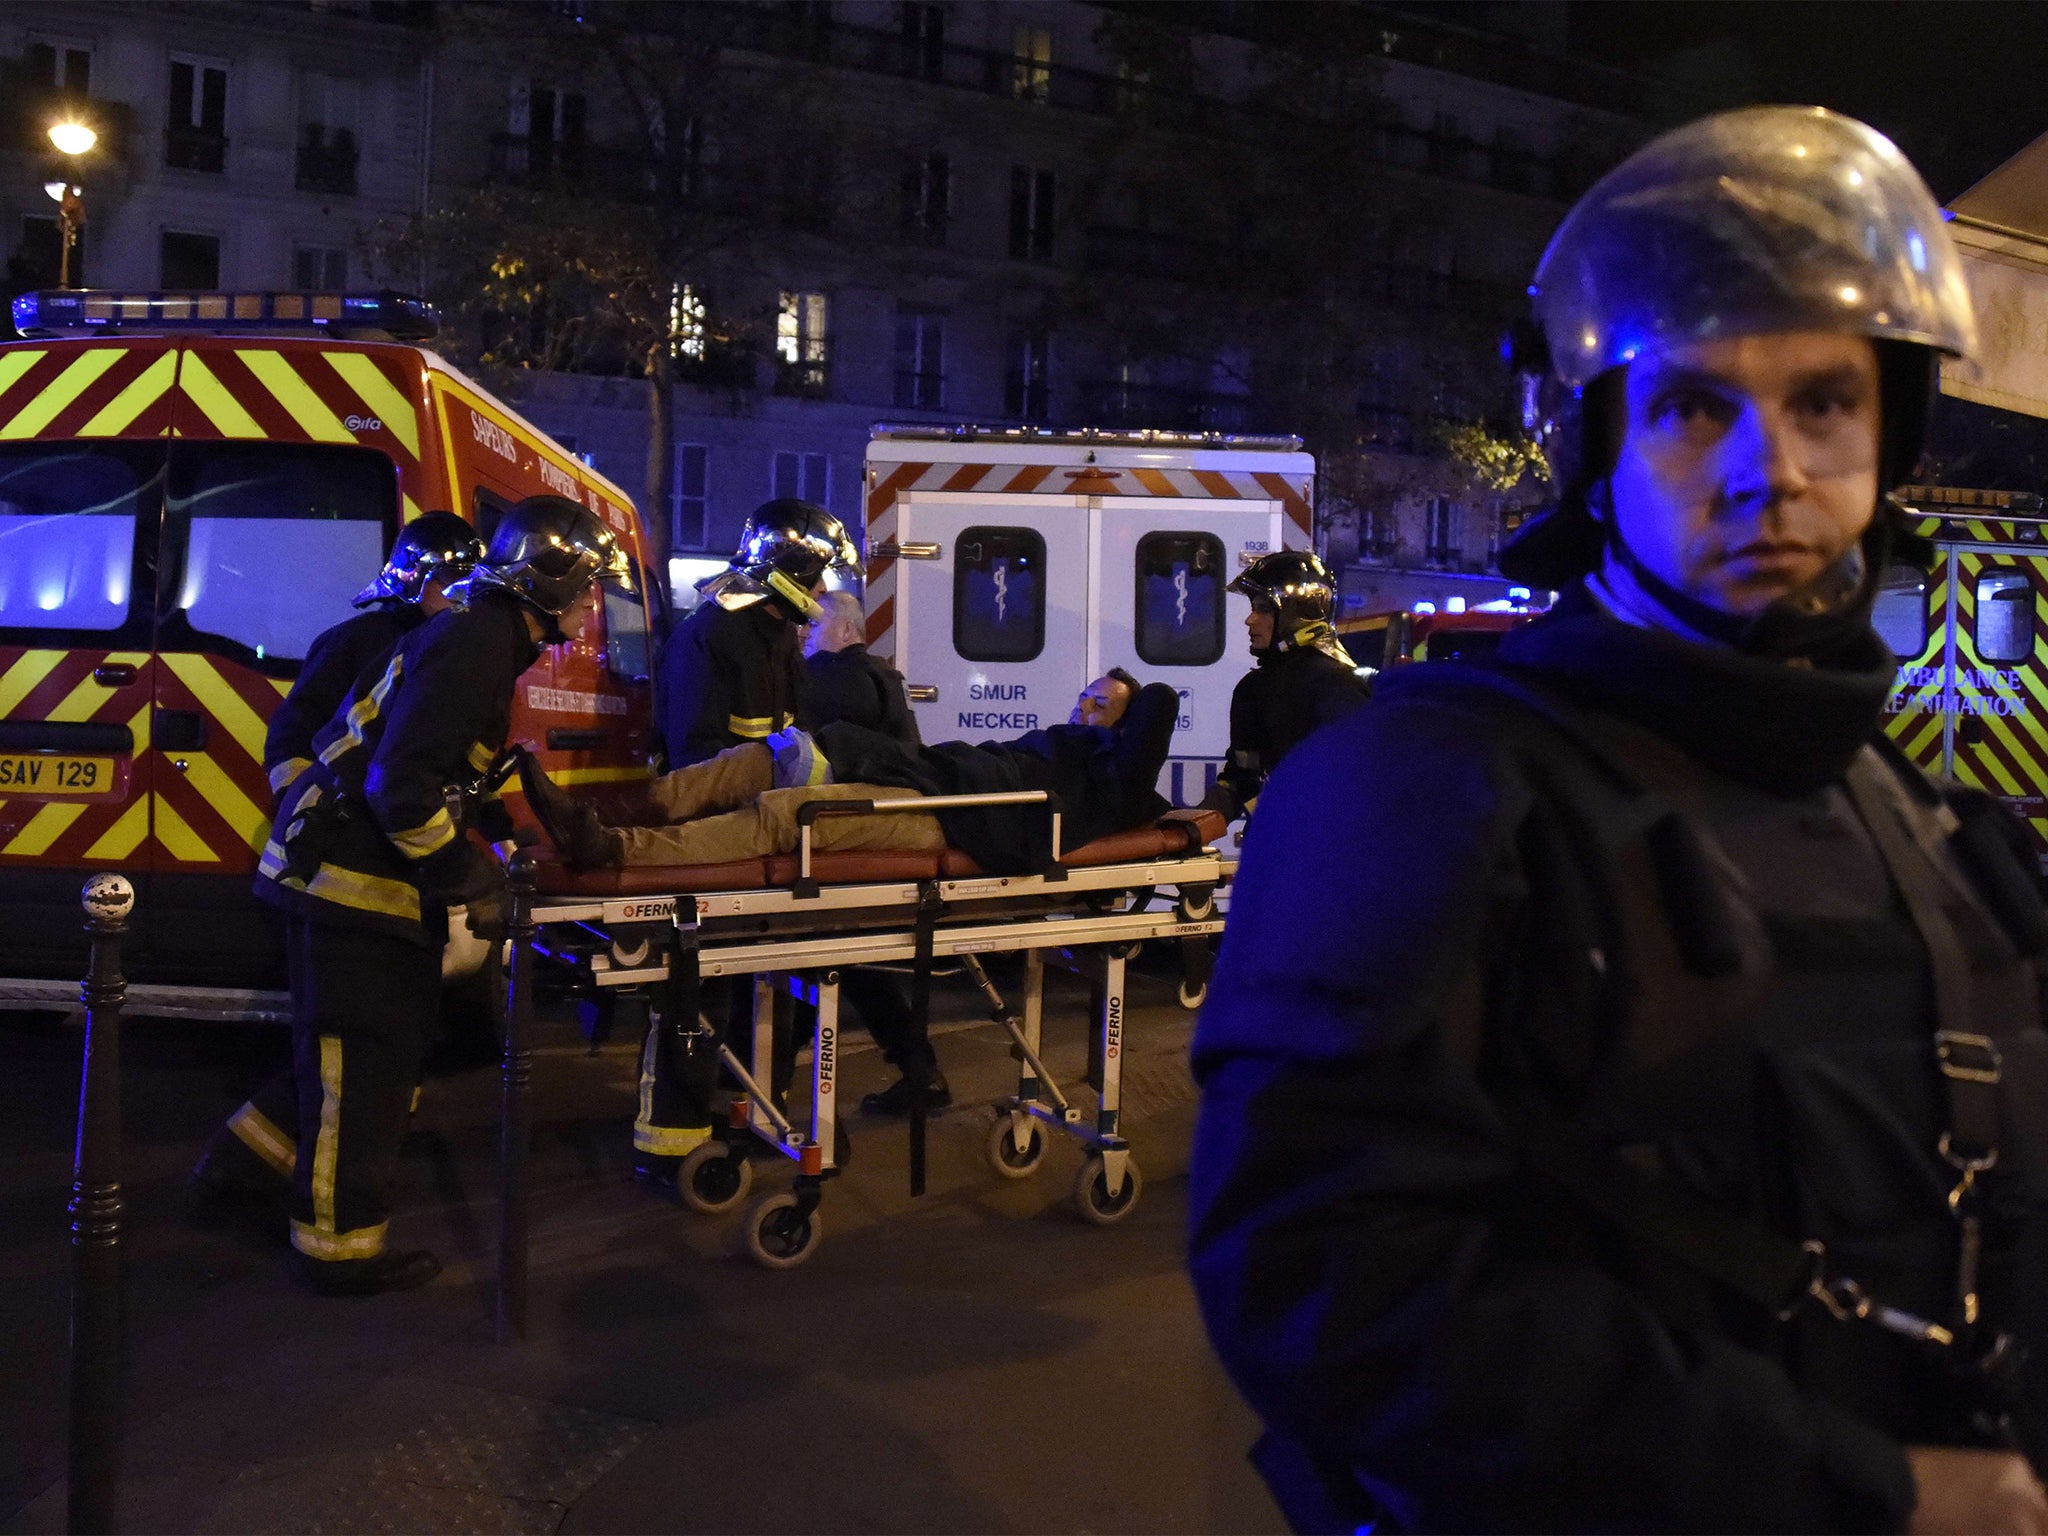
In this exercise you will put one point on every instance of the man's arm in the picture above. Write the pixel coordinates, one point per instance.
(338, 657)
(898, 718)
(698, 697)
(1360, 1228)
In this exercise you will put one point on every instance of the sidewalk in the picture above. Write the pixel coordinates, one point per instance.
(977, 1360)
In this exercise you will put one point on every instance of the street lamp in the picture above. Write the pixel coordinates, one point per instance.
(72, 139)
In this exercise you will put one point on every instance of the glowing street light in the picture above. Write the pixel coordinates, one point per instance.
(73, 138)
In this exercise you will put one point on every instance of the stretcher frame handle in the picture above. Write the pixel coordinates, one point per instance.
(808, 813)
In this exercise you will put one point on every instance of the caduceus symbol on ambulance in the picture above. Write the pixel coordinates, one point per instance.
(1002, 580)
(1180, 595)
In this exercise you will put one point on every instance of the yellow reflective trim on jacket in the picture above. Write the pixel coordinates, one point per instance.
(754, 726)
(481, 755)
(366, 893)
(260, 1134)
(430, 836)
(284, 773)
(327, 1145)
(363, 1243)
(363, 711)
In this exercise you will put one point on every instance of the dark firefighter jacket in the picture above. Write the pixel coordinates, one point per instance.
(851, 685)
(728, 676)
(336, 659)
(1286, 697)
(1461, 916)
(1106, 778)
(373, 834)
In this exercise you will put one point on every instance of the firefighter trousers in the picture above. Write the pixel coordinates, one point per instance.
(363, 1006)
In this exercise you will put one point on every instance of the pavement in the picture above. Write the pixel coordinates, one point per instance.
(975, 1360)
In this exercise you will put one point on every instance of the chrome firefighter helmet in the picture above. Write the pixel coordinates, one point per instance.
(785, 550)
(433, 544)
(547, 551)
(1292, 585)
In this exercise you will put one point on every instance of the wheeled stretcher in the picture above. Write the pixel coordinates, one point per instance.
(794, 923)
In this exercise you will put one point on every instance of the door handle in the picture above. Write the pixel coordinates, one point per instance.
(178, 730)
(892, 550)
(922, 693)
(113, 674)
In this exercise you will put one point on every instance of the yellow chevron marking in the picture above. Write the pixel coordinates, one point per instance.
(221, 701)
(251, 823)
(297, 397)
(380, 395)
(20, 680)
(185, 845)
(138, 728)
(125, 835)
(599, 775)
(212, 398)
(14, 364)
(412, 510)
(61, 391)
(283, 685)
(119, 413)
(44, 828)
(84, 701)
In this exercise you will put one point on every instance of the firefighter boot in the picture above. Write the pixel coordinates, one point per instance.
(572, 825)
(392, 1271)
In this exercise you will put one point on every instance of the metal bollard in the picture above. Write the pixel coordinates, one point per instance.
(515, 1128)
(95, 1438)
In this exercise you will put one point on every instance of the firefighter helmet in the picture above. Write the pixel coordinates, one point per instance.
(433, 544)
(1292, 585)
(785, 550)
(547, 551)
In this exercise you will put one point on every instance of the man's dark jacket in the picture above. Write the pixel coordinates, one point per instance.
(728, 676)
(1284, 699)
(337, 658)
(1462, 915)
(852, 686)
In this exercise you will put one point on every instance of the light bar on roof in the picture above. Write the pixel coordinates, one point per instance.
(88, 312)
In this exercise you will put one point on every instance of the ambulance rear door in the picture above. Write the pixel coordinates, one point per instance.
(1998, 685)
(991, 616)
(1161, 567)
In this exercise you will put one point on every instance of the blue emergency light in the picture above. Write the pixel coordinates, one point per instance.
(91, 312)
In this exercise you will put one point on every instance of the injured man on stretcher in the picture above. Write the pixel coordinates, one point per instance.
(1103, 765)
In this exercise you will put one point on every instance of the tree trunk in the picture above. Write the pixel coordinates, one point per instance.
(658, 509)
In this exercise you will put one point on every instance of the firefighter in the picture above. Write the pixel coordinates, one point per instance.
(1302, 678)
(1624, 1084)
(733, 670)
(371, 847)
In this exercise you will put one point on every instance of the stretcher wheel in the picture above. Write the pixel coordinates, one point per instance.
(1092, 1197)
(1191, 999)
(714, 1178)
(1003, 1155)
(778, 1237)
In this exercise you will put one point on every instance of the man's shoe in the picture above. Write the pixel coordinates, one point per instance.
(572, 825)
(895, 1099)
(213, 1199)
(365, 1277)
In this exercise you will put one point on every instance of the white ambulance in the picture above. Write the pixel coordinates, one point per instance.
(1007, 568)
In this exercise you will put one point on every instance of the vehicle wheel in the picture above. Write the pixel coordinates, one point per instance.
(714, 1178)
(1003, 1155)
(777, 1237)
(1091, 1192)
(1191, 1000)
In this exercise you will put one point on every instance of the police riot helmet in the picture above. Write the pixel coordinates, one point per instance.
(785, 550)
(547, 551)
(1296, 588)
(1745, 223)
(433, 544)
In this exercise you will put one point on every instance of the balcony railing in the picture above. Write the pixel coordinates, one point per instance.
(327, 162)
(195, 149)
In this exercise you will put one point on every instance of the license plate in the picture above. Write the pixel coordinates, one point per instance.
(39, 773)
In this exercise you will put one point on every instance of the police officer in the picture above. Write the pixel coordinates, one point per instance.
(370, 848)
(733, 670)
(1303, 678)
(1624, 1084)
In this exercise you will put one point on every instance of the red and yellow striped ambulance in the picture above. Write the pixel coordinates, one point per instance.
(193, 486)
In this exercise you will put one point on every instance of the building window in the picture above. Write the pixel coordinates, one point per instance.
(927, 201)
(1031, 65)
(924, 40)
(686, 322)
(544, 131)
(1031, 194)
(920, 358)
(188, 261)
(999, 594)
(319, 269)
(806, 476)
(1179, 601)
(693, 496)
(1442, 531)
(64, 67)
(800, 343)
(329, 125)
(1027, 381)
(196, 135)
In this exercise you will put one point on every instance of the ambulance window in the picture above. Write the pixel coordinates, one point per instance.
(489, 508)
(2005, 617)
(627, 651)
(67, 533)
(999, 594)
(267, 543)
(1180, 599)
(1900, 613)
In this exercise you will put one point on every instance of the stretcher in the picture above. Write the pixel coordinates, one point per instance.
(794, 923)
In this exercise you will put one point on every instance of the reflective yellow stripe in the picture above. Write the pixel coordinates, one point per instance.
(481, 755)
(14, 364)
(125, 835)
(172, 830)
(249, 820)
(282, 775)
(84, 701)
(296, 396)
(430, 836)
(661, 1140)
(150, 386)
(380, 395)
(61, 391)
(366, 893)
(20, 680)
(44, 828)
(363, 711)
(327, 1145)
(413, 1108)
(750, 725)
(271, 865)
(212, 398)
(363, 1243)
(221, 701)
(259, 1133)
